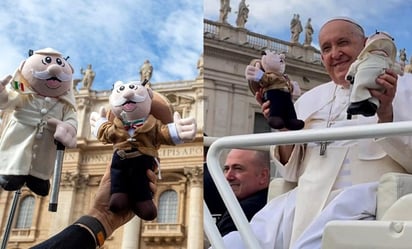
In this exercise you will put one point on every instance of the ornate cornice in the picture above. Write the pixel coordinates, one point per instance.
(74, 179)
(194, 175)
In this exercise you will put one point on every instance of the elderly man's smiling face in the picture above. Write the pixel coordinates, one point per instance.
(340, 43)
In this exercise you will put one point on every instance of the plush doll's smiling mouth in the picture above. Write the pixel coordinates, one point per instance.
(129, 106)
(121, 101)
(53, 82)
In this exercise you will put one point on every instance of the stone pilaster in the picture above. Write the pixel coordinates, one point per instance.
(131, 232)
(195, 225)
(70, 183)
(83, 110)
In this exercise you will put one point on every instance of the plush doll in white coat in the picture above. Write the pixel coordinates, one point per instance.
(43, 110)
(378, 55)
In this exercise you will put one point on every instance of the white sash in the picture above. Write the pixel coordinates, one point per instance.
(315, 185)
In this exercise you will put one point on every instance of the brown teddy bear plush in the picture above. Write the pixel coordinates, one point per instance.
(267, 75)
(135, 126)
(40, 96)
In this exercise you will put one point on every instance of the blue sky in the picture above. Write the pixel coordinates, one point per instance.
(272, 17)
(115, 37)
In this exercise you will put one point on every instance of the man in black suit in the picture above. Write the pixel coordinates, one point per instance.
(248, 174)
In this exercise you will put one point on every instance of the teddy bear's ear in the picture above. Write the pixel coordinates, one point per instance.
(162, 108)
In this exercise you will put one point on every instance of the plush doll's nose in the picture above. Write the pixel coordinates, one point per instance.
(128, 93)
(54, 69)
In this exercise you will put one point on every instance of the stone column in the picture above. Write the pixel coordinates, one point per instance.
(83, 112)
(195, 224)
(131, 234)
(70, 183)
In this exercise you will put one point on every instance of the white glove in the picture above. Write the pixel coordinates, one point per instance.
(186, 127)
(253, 73)
(4, 82)
(97, 119)
(4, 98)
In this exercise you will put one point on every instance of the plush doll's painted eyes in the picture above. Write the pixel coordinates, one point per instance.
(131, 86)
(59, 61)
(49, 60)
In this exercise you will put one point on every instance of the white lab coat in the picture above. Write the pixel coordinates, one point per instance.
(21, 153)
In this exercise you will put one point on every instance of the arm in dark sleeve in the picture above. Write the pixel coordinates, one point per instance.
(250, 207)
(225, 224)
(72, 237)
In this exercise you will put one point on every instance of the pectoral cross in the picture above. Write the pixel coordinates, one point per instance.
(40, 128)
(323, 146)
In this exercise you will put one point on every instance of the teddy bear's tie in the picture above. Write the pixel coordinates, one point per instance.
(133, 124)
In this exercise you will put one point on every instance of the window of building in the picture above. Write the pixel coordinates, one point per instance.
(261, 124)
(25, 214)
(168, 206)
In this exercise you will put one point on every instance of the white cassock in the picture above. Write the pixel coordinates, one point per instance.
(341, 185)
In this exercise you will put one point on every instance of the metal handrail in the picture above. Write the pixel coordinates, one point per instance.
(280, 138)
(211, 230)
(207, 141)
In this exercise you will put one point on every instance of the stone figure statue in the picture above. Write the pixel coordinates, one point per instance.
(88, 76)
(224, 10)
(408, 67)
(308, 33)
(402, 56)
(242, 14)
(295, 28)
(146, 71)
(200, 66)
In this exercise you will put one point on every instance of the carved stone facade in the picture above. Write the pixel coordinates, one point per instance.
(230, 107)
(83, 167)
(222, 104)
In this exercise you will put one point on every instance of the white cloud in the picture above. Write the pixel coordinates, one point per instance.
(178, 34)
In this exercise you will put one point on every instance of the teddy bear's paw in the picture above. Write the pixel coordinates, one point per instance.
(145, 210)
(295, 124)
(276, 122)
(119, 202)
